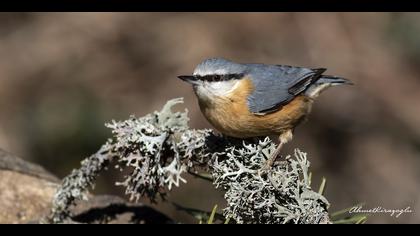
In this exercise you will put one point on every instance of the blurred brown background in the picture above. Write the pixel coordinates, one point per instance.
(63, 75)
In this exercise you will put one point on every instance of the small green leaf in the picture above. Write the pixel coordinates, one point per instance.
(356, 219)
(344, 217)
(322, 186)
(362, 220)
(213, 213)
(346, 210)
(310, 178)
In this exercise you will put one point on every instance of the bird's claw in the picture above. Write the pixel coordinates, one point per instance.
(269, 163)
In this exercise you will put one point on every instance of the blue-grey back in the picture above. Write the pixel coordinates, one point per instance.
(276, 85)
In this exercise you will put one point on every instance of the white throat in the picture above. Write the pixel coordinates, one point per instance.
(208, 91)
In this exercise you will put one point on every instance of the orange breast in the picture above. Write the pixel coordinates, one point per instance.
(231, 116)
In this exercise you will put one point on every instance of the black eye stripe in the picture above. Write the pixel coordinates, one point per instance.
(216, 78)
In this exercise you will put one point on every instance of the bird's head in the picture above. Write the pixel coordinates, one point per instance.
(215, 77)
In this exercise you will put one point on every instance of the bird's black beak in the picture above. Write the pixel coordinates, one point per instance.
(188, 78)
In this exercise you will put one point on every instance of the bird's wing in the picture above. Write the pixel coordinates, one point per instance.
(276, 85)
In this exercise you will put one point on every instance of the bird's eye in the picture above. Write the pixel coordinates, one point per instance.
(213, 78)
(217, 78)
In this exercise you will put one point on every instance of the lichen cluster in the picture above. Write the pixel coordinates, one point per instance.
(279, 195)
(159, 149)
(74, 186)
(146, 145)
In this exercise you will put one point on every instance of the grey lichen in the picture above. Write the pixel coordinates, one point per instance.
(159, 149)
(74, 186)
(280, 195)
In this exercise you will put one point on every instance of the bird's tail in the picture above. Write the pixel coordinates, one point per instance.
(324, 82)
(333, 80)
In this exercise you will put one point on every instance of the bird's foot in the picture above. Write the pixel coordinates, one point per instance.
(284, 138)
(269, 163)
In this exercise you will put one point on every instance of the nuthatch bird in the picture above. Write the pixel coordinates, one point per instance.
(253, 100)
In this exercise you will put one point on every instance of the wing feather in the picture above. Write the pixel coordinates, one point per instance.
(277, 85)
